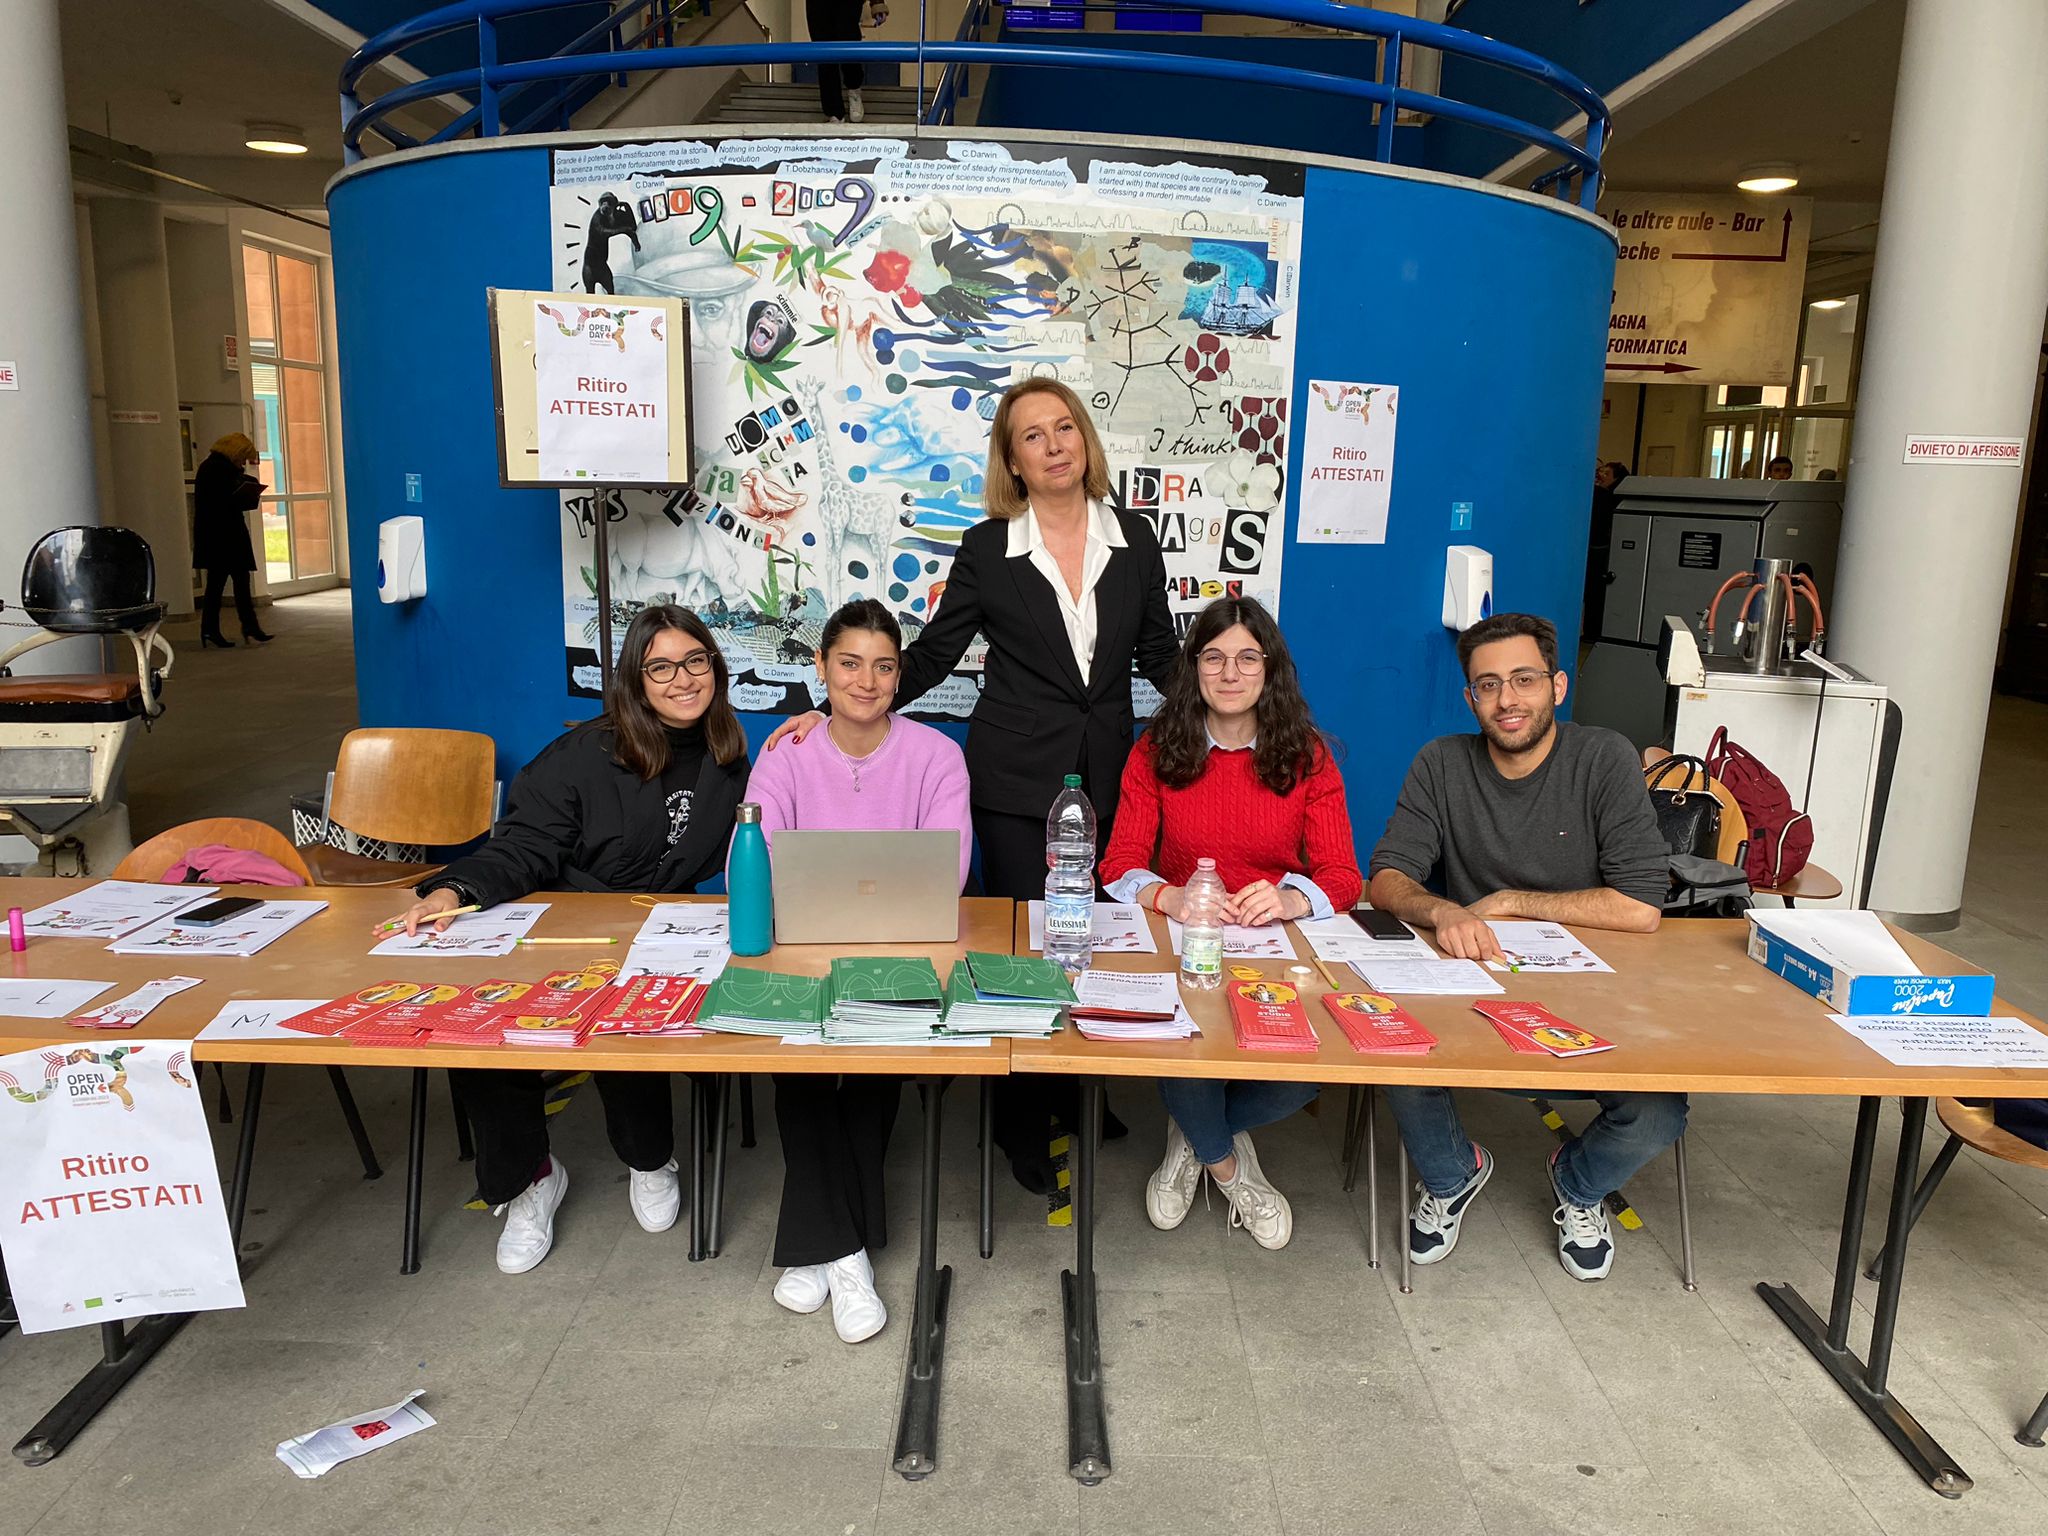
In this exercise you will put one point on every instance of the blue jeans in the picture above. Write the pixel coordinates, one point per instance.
(1210, 1112)
(1631, 1129)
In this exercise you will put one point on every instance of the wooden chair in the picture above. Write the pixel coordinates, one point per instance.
(1971, 1125)
(433, 787)
(165, 849)
(149, 862)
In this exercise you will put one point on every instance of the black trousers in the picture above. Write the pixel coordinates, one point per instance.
(835, 21)
(507, 1114)
(1013, 865)
(835, 1135)
(245, 609)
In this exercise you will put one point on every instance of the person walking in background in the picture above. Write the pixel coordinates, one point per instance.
(839, 83)
(224, 492)
(1607, 478)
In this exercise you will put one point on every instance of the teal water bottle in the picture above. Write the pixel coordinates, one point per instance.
(749, 886)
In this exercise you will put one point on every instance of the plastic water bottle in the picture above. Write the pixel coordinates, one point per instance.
(1070, 878)
(749, 886)
(1201, 932)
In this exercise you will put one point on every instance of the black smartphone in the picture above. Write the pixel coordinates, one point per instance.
(1381, 925)
(213, 913)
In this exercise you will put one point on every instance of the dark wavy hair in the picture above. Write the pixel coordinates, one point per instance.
(861, 613)
(1288, 738)
(635, 726)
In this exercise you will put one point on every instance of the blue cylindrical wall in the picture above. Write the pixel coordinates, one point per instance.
(1487, 308)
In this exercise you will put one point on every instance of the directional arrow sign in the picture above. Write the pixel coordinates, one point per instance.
(1707, 290)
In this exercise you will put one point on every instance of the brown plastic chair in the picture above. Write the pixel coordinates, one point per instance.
(405, 786)
(165, 849)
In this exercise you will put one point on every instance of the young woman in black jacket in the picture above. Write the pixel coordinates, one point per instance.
(224, 491)
(640, 799)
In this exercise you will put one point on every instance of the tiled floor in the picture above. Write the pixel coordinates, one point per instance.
(620, 1389)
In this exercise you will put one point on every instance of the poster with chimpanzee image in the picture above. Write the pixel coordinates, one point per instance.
(858, 307)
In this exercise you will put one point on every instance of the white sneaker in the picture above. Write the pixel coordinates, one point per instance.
(655, 1197)
(1585, 1242)
(856, 109)
(1170, 1192)
(857, 1312)
(1256, 1205)
(803, 1287)
(530, 1221)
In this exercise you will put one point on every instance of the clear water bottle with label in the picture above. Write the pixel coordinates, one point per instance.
(1201, 933)
(1070, 878)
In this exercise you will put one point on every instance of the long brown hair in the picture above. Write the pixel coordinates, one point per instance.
(1003, 494)
(635, 726)
(1288, 739)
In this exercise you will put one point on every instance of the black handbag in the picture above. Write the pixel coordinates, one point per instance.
(1689, 818)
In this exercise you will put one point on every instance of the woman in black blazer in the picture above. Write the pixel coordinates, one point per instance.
(642, 798)
(1069, 593)
(1042, 713)
(224, 492)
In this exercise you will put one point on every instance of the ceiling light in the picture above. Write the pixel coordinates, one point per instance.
(1827, 303)
(1775, 177)
(275, 138)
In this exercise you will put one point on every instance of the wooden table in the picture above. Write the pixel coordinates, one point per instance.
(1688, 1011)
(328, 956)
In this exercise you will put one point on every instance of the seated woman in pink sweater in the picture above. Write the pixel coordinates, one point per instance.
(868, 770)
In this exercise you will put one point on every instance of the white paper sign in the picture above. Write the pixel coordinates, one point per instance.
(30, 998)
(1347, 463)
(1339, 938)
(258, 1019)
(1543, 947)
(110, 1202)
(112, 908)
(602, 375)
(1924, 1041)
(2005, 452)
(240, 936)
(494, 932)
(684, 925)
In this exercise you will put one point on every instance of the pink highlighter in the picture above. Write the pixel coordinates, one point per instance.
(17, 931)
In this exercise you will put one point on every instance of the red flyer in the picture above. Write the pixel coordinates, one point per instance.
(344, 1011)
(416, 1012)
(1377, 1025)
(478, 1014)
(1533, 1029)
(1268, 1016)
(652, 1005)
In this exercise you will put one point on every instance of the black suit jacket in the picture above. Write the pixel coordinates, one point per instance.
(1036, 720)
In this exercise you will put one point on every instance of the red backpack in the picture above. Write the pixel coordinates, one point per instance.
(1780, 838)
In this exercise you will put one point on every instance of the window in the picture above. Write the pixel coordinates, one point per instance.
(287, 372)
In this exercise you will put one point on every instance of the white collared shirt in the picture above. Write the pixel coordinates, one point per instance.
(1104, 534)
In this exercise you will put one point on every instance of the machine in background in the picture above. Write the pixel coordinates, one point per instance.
(1675, 543)
(65, 736)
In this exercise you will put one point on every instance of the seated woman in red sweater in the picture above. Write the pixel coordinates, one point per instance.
(1233, 769)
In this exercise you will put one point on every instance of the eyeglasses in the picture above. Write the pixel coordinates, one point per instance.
(1212, 661)
(697, 663)
(1525, 682)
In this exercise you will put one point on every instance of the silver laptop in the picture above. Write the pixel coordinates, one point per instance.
(867, 887)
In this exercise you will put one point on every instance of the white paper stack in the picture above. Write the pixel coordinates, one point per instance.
(112, 908)
(1426, 978)
(242, 935)
(853, 1022)
(1269, 942)
(1131, 1005)
(680, 938)
(1119, 928)
(1338, 938)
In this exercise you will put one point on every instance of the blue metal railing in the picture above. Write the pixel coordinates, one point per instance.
(1577, 176)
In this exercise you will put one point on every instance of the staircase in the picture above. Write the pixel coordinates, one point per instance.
(751, 102)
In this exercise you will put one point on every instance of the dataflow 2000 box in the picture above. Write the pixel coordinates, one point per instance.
(1851, 962)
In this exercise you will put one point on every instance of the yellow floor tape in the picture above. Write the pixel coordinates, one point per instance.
(1616, 1202)
(1059, 1200)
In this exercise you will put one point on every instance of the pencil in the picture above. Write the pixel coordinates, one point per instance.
(569, 941)
(435, 918)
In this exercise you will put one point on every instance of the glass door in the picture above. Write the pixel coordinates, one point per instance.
(288, 377)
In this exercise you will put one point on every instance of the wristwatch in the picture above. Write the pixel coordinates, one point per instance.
(464, 896)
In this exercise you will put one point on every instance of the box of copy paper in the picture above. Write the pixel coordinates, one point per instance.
(1851, 962)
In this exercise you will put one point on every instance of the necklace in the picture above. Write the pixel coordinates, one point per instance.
(854, 764)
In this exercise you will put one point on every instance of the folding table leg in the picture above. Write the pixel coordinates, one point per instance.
(1372, 1178)
(1685, 1270)
(1936, 1172)
(123, 1353)
(699, 1099)
(465, 1143)
(1354, 1115)
(349, 1113)
(7, 1317)
(415, 1173)
(721, 1116)
(988, 1167)
(1828, 1342)
(245, 1154)
(2030, 1432)
(917, 1428)
(1087, 1423)
(1407, 1215)
(747, 1110)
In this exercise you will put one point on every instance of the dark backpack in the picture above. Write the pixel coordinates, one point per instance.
(1780, 838)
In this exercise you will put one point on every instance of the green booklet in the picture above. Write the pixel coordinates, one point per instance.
(880, 979)
(1018, 976)
(767, 996)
